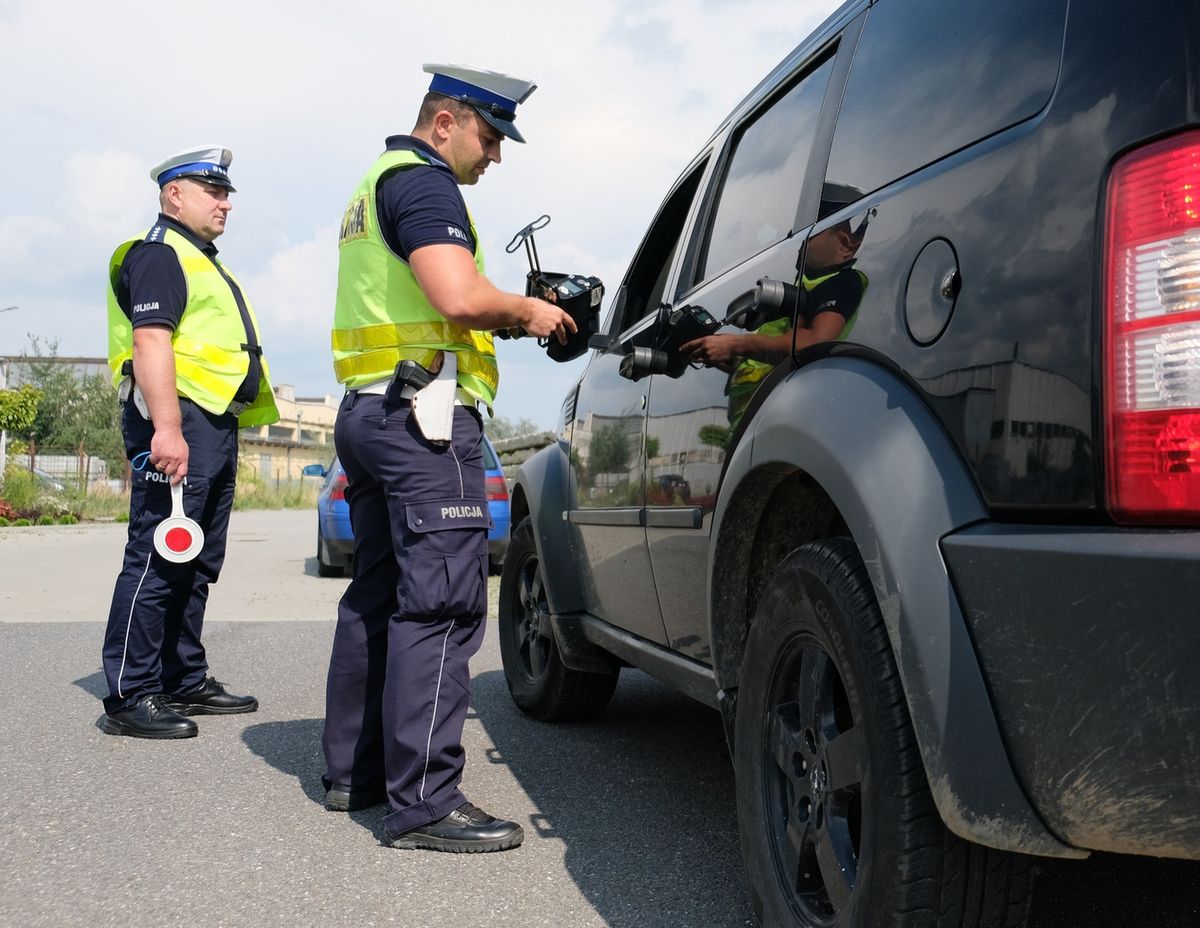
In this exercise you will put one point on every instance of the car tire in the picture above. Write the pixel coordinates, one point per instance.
(542, 686)
(325, 567)
(838, 826)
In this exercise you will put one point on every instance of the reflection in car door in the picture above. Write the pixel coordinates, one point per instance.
(608, 440)
(606, 519)
(750, 228)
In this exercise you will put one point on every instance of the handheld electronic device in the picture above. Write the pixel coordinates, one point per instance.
(578, 295)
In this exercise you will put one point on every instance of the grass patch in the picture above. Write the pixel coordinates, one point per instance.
(24, 502)
(257, 494)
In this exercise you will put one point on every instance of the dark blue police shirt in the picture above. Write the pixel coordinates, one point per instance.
(151, 290)
(840, 294)
(422, 205)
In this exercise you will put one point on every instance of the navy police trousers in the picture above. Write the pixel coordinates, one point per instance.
(152, 643)
(399, 687)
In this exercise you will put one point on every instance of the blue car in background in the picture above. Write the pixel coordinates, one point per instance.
(335, 538)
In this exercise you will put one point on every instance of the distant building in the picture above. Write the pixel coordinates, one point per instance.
(303, 435)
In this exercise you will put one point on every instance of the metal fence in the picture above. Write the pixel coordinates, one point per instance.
(61, 470)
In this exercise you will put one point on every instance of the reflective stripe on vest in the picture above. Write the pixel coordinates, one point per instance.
(382, 316)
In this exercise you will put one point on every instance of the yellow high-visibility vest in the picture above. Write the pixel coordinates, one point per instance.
(210, 363)
(381, 315)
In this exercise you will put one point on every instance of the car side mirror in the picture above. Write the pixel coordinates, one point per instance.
(314, 470)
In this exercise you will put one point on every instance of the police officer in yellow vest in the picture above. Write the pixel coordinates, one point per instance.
(413, 304)
(183, 345)
(833, 290)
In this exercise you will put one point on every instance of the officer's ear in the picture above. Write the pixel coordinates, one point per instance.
(171, 194)
(443, 120)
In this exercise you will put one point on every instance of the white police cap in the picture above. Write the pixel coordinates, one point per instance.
(207, 162)
(493, 95)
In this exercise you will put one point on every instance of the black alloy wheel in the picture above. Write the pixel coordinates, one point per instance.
(838, 825)
(541, 685)
(533, 636)
(816, 781)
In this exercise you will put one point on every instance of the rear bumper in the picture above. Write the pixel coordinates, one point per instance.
(340, 551)
(338, 536)
(1089, 640)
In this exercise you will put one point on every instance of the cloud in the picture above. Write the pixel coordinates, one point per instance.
(305, 92)
(102, 192)
(296, 289)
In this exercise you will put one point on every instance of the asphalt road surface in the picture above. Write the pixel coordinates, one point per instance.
(629, 820)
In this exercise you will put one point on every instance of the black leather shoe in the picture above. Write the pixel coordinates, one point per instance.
(149, 717)
(342, 798)
(210, 698)
(466, 830)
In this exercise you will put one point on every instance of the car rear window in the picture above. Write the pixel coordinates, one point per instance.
(931, 77)
(760, 192)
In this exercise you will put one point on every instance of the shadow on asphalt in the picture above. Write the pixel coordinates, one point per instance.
(94, 684)
(650, 781)
(1115, 891)
(293, 748)
(641, 799)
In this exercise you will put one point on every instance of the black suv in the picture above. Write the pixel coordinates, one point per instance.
(936, 561)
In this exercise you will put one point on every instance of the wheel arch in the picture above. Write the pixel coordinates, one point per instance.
(541, 490)
(845, 446)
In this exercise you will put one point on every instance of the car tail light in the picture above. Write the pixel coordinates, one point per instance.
(338, 489)
(496, 488)
(1152, 333)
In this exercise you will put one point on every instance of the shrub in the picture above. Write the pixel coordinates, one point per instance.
(20, 490)
(68, 519)
(23, 522)
(45, 520)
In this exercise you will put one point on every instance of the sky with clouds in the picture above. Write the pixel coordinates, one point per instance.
(304, 93)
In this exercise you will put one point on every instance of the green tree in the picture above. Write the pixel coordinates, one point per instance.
(715, 435)
(18, 408)
(610, 450)
(500, 428)
(74, 410)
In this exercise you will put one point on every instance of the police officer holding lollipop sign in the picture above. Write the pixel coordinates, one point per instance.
(183, 345)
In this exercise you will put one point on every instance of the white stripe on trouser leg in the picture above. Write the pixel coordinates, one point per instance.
(462, 490)
(433, 721)
(129, 623)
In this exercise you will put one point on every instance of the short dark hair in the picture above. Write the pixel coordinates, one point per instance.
(435, 103)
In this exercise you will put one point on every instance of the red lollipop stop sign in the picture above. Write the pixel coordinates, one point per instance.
(178, 538)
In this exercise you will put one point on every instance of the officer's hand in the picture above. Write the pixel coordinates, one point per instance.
(544, 319)
(169, 453)
(711, 350)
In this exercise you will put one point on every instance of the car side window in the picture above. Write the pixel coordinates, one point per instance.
(760, 191)
(643, 288)
(930, 78)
